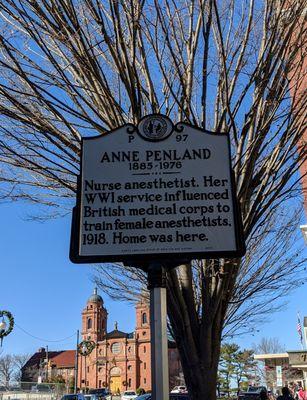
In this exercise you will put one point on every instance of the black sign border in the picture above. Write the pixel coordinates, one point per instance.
(168, 260)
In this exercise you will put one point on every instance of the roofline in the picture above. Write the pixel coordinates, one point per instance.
(296, 351)
(272, 355)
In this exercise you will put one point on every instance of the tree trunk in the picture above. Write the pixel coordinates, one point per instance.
(198, 333)
(200, 381)
(199, 357)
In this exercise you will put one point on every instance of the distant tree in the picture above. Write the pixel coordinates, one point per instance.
(71, 384)
(236, 366)
(267, 372)
(245, 369)
(19, 361)
(7, 369)
(269, 346)
(226, 367)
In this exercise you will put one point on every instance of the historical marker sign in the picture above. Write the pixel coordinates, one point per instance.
(298, 357)
(155, 191)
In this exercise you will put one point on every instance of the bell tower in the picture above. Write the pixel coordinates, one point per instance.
(142, 319)
(94, 319)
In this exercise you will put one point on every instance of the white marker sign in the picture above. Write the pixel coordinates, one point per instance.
(155, 190)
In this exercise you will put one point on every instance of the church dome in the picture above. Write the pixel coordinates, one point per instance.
(95, 298)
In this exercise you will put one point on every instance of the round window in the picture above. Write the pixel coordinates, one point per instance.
(115, 348)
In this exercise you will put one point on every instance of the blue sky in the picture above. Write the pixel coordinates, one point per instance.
(41, 287)
(46, 292)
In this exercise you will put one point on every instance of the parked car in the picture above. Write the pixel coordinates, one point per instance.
(75, 396)
(95, 397)
(101, 391)
(129, 395)
(179, 389)
(252, 393)
(146, 396)
(172, 396)
(179, 396)
(14, 389)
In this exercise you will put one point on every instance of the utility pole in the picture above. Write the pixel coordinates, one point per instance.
(46, 363)
(76, 364)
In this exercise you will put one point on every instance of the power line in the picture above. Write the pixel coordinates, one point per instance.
(44, 340)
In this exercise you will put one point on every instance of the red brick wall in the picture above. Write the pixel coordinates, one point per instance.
(298, 86)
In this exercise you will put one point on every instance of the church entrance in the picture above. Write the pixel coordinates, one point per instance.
(115, 384)
(115, 380)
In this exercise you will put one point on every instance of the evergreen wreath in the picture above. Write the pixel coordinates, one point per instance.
(86, 347)
(8, 330)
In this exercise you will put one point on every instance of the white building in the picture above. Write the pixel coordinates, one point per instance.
(285, 369)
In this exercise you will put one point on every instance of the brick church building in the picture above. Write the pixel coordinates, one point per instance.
(120, 360)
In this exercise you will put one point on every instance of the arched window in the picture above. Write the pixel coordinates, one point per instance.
(115, 371)
(144, 318)
(89, 323)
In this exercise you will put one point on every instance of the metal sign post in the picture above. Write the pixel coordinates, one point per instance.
(158, 327)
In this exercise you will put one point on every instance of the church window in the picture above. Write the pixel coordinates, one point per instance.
(99, 369)
(99, 384)
(129, 382)
(129, 367)
(144, 333)
(144, 349)
(115, 371)
(115, 348)
(144, 365)
(89, 323)
(145, 380)
(88, 369)
(144, 318)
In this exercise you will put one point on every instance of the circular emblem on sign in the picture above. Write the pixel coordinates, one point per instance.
(155, 127)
